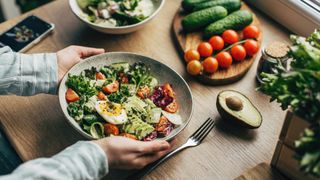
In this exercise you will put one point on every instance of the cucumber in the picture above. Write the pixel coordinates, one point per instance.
(202, 18)
(236, 21)
(230, 5)
(189, 4)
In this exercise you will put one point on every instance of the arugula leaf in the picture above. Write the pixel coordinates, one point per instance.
(81, 85)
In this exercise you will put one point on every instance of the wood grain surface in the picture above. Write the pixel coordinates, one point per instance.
(262, 171)
(188, 41)
(36, 126)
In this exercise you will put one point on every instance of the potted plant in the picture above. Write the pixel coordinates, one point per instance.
(298, 89)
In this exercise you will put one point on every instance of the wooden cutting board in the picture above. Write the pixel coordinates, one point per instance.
(188, 41)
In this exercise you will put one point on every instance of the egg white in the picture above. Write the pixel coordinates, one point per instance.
(111, 112)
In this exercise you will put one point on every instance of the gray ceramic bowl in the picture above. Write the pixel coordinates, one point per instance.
(158, 4)
(160, 71)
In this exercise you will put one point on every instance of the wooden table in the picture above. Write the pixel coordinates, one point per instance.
(36, 126)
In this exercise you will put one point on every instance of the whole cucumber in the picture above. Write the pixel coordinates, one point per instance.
(188, 5)
(202, 18)
(236, 21)
(230, 5)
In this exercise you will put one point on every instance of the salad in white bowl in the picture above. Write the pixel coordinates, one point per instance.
(122, 100)
(116, 16)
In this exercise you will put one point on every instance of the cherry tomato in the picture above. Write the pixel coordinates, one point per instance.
(230, 36)
(123, 78)
(238, 52)
(111, 129)
(194, 67)
(100, 76)
(216, 42)
(172, 107)
(250, 32)
(143, 92)
(131, 136)
(205, 49)
(251, 46)
(168, 91)
(210, 65)
(224, 59)
(71, 96)
(101, 95)
(111, 88)
(191, 55)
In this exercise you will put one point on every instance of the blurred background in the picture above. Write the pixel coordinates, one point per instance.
(12, 8)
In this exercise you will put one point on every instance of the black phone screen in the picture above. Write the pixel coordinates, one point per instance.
(22, 34)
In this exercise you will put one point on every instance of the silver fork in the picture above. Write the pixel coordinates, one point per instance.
(194, 140)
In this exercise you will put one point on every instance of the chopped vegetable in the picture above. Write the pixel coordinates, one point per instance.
(120, 100)
(71, 96)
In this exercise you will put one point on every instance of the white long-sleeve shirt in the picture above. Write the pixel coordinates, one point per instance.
(28, 75)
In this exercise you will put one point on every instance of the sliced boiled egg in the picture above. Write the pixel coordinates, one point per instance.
(111, 112)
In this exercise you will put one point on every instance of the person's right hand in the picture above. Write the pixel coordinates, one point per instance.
(125, 153)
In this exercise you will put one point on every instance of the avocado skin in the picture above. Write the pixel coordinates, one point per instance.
(188, 5)
(230, 5)
(199, 19)
(236, 21)
(233, 119)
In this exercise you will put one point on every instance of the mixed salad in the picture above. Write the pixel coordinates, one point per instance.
(122, 100)
(116, 12)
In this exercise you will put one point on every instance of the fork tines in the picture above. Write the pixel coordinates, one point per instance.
(203, 130)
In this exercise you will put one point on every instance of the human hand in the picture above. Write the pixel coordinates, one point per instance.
(125, 153)
(71, 55)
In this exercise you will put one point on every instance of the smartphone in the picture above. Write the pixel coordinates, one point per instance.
(26, 33)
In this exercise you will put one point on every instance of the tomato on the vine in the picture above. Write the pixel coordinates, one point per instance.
(191, 54)
(238, 52)
(251, 46)
(224, 59)
(217, 43)
(230, 36)
(194, 67)
(210, 65)
(251, 32)
(205, 49)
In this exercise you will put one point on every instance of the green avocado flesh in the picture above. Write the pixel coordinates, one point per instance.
(235, 106)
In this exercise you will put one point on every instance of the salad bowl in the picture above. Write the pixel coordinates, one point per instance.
(158, 70)
(123, 29)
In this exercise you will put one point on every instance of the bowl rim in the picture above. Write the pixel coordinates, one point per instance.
(118, 27)
(71, 121)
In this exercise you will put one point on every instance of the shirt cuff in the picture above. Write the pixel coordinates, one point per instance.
(84, 160)
(39, 73)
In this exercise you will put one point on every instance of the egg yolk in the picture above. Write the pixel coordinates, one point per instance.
(110, 109)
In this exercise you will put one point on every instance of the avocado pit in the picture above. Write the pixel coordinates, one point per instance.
(234, 103)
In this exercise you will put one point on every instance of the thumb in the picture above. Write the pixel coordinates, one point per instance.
(154, 147)
(88, 51)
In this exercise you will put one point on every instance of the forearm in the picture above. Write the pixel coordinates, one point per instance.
(26, 75)
(83, 160)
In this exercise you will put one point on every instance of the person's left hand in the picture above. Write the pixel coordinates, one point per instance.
(71, 55)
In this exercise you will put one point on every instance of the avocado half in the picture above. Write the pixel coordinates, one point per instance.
(236, 107)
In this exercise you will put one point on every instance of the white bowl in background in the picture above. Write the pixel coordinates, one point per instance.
(158, 4)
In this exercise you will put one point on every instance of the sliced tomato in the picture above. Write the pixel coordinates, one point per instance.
(172, 107)
(127, 135)
(143, 92)
(124, 78)
(168, 91)
(111, 129)
(111, 88)
(71, 96)
(101, 95)
(100, 76)
(162, 124)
